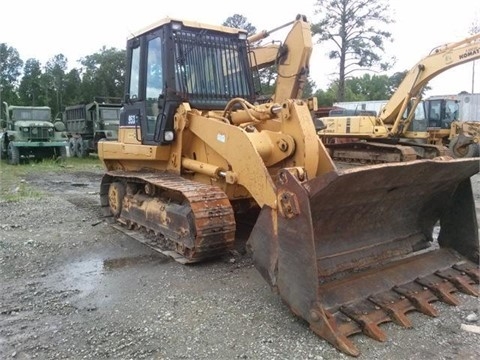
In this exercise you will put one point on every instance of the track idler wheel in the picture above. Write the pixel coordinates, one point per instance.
(116, 193)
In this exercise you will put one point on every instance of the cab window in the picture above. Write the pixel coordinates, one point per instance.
(154, 81)
(135, 73)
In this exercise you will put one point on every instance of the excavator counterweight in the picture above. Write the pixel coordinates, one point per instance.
(346, 249)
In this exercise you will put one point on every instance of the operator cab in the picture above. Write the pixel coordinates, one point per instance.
(441, 112)
(173, 62)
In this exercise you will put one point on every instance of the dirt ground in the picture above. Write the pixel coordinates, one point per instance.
(73, 287)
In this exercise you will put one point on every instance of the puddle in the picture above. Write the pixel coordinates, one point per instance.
(83, 275)
(86, 275)
(113, 264)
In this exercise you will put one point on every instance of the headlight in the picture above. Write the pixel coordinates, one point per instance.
(176, 25)
(168, 135)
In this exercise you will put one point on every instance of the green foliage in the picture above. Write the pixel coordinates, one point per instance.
(10, 70)
(326, 97)
(367, 87)
(53, 82)
(308, 88)
(353, 27)
(240, 22)
(363, 88)
(72, 88)
(103, 74)
(30, 89)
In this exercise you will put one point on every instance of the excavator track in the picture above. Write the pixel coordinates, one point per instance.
(186, 220)
(365, 152)
(370, 153)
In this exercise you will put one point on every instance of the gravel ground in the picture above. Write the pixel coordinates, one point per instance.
(72, 287)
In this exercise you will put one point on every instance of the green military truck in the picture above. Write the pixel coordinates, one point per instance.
(28, 132)
(87, 124)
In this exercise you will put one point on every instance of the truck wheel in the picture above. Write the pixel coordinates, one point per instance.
(116, 193)
(72, 147)
(80, 151)
(13, 154)
(61, 153)
(467, 151)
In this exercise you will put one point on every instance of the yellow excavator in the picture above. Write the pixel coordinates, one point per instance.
(346, 250)
(394, 135)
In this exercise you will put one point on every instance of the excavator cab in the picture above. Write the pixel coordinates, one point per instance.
(347, 249)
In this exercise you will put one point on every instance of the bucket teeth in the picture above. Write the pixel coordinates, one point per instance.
(461, 281)
(473, 272)
(335, 328)
(420, 298)
(442, 288)
(368, 316)
(395, 306)
(365, 315)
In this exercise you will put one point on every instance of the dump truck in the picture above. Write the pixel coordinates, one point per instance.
(346, 249)
(30, 133)
(392, 135)
(87, 124)
(454, 121)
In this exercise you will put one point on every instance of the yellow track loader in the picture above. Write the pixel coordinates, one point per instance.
(346, 250)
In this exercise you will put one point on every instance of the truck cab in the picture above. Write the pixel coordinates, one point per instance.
(30, 133)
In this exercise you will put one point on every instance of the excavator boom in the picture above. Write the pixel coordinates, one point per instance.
(438, 61)
(345, 249)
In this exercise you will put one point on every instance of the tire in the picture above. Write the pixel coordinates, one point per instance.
(72, 147)
(3, 150)
(116, 193)
(96, 140)
(60, 153)
(80, 151)
(13, 154)
(471, 150)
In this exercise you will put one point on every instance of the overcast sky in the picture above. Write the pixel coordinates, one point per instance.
(41, 29)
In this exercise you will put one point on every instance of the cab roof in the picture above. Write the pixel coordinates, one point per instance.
(188, 23)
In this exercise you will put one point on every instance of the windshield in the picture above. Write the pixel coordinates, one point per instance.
(31, 114)
(211, 67)
(110, 114)
(451, 110)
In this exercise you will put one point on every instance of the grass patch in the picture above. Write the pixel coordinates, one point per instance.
(13, 184)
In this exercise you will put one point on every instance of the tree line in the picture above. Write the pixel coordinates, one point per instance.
(31, 84)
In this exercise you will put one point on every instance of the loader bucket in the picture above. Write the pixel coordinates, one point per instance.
(352, 249)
